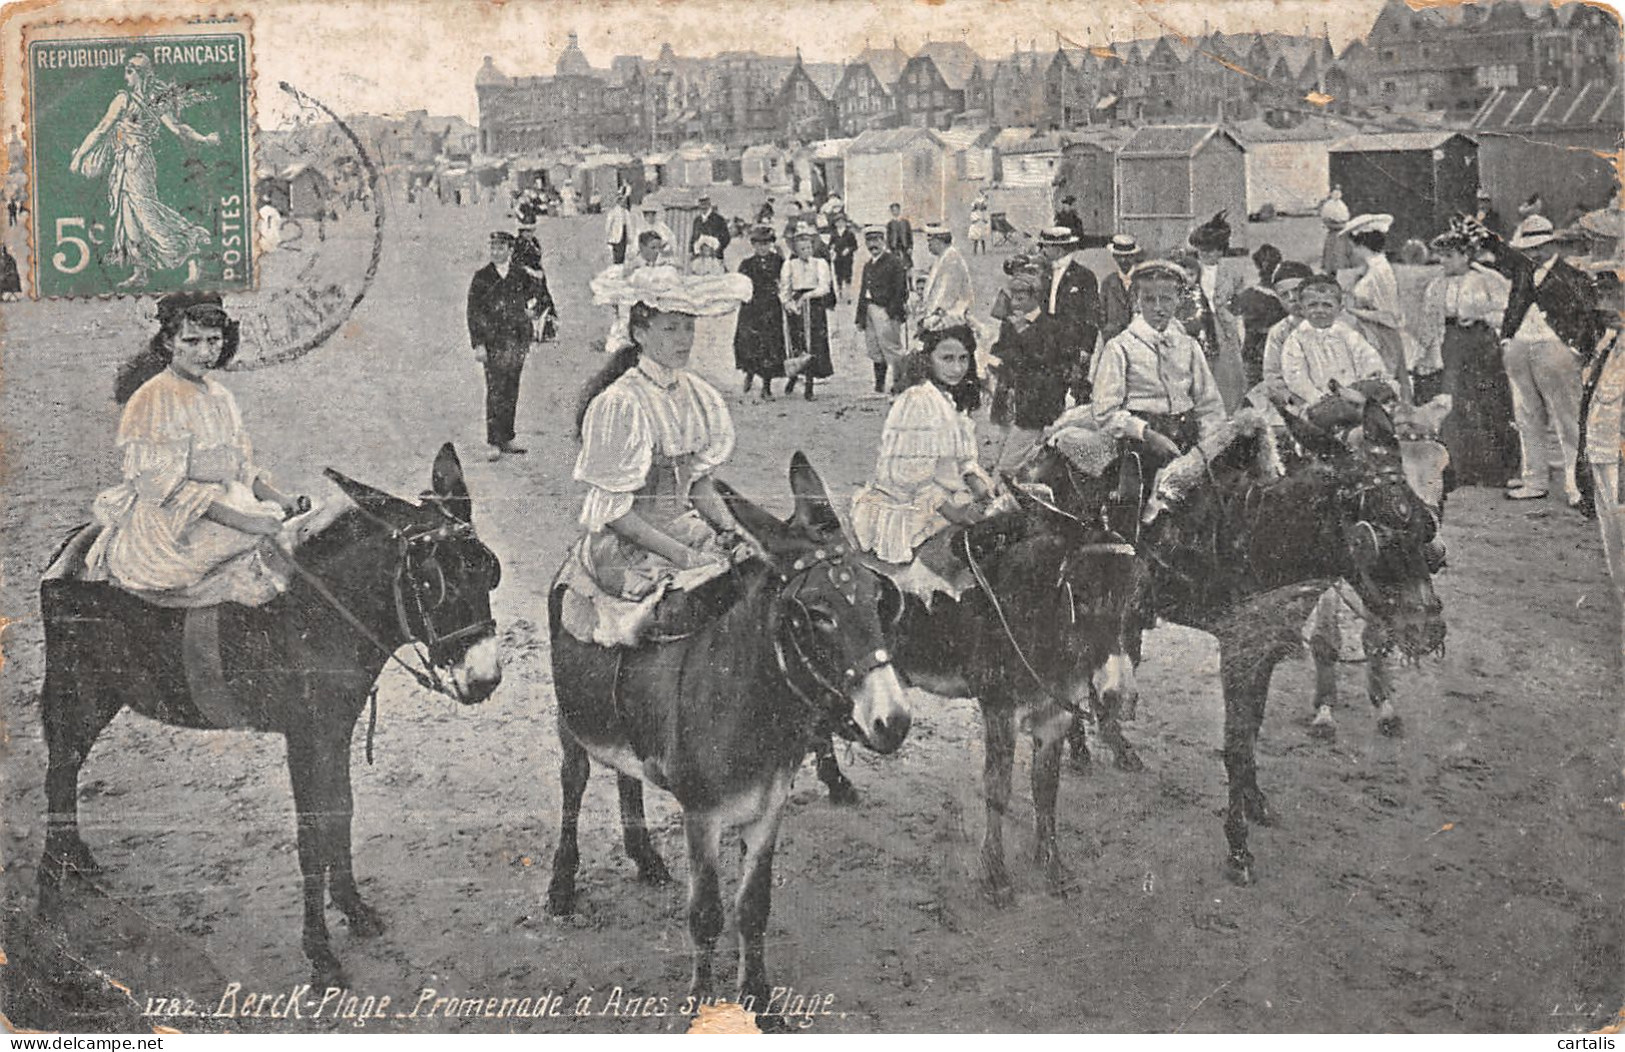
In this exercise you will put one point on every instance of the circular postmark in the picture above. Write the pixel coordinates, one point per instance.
(320, 230)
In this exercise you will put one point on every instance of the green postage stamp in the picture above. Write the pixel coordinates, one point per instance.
(140, 156)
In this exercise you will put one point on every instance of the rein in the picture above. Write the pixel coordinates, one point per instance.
(1114, 548)
(429, 676)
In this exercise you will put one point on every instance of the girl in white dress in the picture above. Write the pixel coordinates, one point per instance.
(927, 476)
(652, 434)
(191, 523)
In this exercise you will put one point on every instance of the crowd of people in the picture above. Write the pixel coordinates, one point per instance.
(1161, 350)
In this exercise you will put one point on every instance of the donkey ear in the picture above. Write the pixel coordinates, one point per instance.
(368, 499)
(772, 536)
(446, 482)
(1377, 427)
(814, 512)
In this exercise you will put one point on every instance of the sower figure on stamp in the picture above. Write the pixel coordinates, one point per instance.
(500, 330)
(147, 233)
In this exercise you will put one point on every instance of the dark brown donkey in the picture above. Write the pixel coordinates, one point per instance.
(1246, 558)
(722, 717)
(384, 574)
(1045, 628)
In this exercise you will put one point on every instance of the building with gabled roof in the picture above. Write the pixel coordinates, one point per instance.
(864, 96)
(930, 91)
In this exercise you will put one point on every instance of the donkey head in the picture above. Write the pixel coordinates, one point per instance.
(1386, 532)
(1063, 588)
(828, 636)
(442, 575)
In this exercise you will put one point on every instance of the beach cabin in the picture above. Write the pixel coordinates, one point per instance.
(909, 166)
(1288, 169)
(1421, 178)
(1171, 178)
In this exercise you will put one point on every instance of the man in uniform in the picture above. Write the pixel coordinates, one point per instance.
(500, 301)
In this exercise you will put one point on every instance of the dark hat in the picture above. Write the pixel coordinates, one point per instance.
(762, 233)
(183, 302)
(502, 237)
(1213, 234)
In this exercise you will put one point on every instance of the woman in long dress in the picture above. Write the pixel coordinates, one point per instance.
(759, 333)
(714, 335)
(1374, 300)
(1461, 313)
(191, 522)
(807, 290)
(147, 234)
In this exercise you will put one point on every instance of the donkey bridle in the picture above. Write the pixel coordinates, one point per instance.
(843, 576)
(406, 542)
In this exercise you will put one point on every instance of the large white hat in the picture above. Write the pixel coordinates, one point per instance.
(1378, 221)
(667, 289)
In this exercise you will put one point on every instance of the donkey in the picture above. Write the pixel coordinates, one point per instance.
(383, 574)
(1246, 559)
(1045, 628)
(722, 717)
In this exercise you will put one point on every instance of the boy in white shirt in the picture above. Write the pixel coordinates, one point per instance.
(1326, 352)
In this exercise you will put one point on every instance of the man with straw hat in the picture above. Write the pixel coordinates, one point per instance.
(1117, 310)
(1548, 330)
(1073, 301)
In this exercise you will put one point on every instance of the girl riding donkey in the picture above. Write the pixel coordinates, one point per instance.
(191, 522)
(652, 433)
(927, 477)
(722, 711)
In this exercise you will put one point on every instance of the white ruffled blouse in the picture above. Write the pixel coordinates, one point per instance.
(168, 423)
(1312, 358)
(649, 410)
(926, 450)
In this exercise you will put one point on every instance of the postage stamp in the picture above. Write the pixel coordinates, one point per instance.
(140, 153)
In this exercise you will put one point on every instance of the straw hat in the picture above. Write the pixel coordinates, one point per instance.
(1378, 221)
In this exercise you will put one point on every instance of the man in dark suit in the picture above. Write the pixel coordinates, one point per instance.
(710, 222)
(883, 307)
(900, 236)
(1073, 301)
(500, 301)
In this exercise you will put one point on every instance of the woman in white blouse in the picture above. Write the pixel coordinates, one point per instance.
(807, 290)
(1461, 313)
(652, 434)
(1374, 300)
(927, 476)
